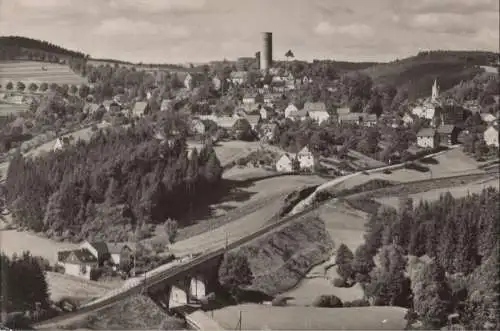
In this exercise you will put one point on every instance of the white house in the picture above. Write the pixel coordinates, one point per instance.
(427, 111)
(488, 118)
(491, 136)
(263, 113)
(291, 108)
(140, 108)
(300, 115)
(285, 163)
(427, 138)
(306, 158)
(78, 262)
(249, 98)
(407, 119)
(58, 145)
(319, 115)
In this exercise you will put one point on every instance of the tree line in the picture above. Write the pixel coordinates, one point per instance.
(120, 181)
(458, 235)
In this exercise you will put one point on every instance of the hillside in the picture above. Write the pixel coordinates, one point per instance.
(12, 47)
(280, 260)
(38, 72)
(417, 73)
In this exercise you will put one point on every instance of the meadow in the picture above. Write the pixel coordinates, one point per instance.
(33, 72)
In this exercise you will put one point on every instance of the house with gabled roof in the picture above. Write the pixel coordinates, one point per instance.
(488, 118)
(238, 77)
(448, 134)
(299, 115)
(306, 158)
(141, 108)
(91, 108)
(285, 163)
(197, 126)
(253, 120)
(291, 108)
(249, 98)
(490, 136)
(427, 138)
(121, 253)
(99, 249)
(317, 111)
(111, 106)
(268, 132)
(78, 262)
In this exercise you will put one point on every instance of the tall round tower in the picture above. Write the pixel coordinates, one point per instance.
(266, 56)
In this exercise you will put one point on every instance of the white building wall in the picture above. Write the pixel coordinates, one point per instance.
(425, 142)
(178, 297)
(491, 137)
(306, 161)
(284, 164)
(75, 270)
(197, 287)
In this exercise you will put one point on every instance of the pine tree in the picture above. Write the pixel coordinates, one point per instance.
(344, 260)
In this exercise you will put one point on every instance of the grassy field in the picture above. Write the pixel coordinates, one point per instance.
(7, 109)
(31, 72)
(14, 241)
(135, 313)
(61, 285)
(457, 192)
(345, 225)
(260, 317)
(230, 151)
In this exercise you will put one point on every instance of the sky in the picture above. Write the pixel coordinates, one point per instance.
(182, 31)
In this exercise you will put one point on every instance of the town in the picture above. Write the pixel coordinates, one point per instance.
(265, 192)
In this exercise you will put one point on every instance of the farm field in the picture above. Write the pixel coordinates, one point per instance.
(261, 317)
(457, 192)
(7, 109)
(31, 72)
(61, 285)
(345, 225)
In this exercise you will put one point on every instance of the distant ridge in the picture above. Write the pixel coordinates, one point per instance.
(16, 45)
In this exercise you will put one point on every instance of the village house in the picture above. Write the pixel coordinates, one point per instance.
(197, 127)
(427, 138)
(78, 262)
(61, 143)
(317, 111)
(291, 108)
(285, 163)
(249, 98)
(448, 134)
(268, 132)
(91, 108)
(253, 120)
(343, 111)
(166, 105)
(300, 115)
(490, 136)
(217, 83)
(121, 253)
(141, 108)
(407, 120)
(263, 113)
(426, 111)
(238, 77)
(358, 118)
(488, 118)
(225, 122)
(99, 249)
(306, 159)
(112, 106)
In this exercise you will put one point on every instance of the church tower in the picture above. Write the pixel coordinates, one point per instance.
(435, 91)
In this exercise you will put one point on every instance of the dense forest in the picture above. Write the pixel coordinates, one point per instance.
(459, 235)
(14, 46)
(121, 181)
(23, 283)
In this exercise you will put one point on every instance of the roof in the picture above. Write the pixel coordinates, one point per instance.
(253, 119)
(304, 150)
(426, 132)
(350, 116)
(116, 248)
(491, 127)
(315, 106)
(83, 255)
(250, 95)
(299, 113)
(369, 117)
(225, 122)
(343, 110)
(487, 117)
(238, 75)
(100, 246)
(445, 128)
(165, 103)
(140, 107)
(108, 103)
(287, 156)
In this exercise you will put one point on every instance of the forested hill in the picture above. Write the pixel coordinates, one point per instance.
(15, 46)
(416, 74)
(122, 181)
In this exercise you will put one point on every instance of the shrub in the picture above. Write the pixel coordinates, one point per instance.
(339, 282)
(328, 301)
